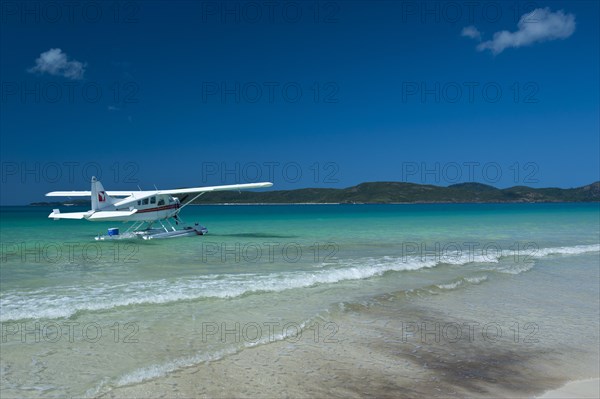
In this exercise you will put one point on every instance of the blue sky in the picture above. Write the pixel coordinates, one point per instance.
(306, 94)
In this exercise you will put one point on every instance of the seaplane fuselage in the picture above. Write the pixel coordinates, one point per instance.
(156, 207)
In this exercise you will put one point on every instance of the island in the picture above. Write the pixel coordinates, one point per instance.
(396, 193)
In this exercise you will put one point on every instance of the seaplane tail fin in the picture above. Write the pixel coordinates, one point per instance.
(100, 198)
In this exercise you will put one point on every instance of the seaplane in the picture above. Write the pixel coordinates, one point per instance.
(144, 209)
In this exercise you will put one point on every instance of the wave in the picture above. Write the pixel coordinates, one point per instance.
(433, 289)
(523, 260)
(574, 250)
(64, 302)
(460, 282)
(159, 370)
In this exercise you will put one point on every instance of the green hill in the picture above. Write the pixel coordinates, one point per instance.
(396, 192)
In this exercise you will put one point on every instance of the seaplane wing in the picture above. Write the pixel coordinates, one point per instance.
(140, 195)
(144, 194)
(231, 187)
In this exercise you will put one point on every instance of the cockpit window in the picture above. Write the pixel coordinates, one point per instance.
(153, 200)
(145, 201)
(161, 202)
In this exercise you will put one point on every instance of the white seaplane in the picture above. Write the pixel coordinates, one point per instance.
(143, 208)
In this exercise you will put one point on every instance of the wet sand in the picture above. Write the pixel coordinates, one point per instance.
(416, 344)
(369, 359)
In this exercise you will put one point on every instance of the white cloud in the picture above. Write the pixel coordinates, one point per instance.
(472, 32)
(540, 25)
(55, 62)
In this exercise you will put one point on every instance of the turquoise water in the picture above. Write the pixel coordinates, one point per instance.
(123, 312)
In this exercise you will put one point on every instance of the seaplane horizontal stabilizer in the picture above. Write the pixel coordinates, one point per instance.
(88, 193)
(69, 215)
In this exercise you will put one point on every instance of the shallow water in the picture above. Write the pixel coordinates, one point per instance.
(116, 314)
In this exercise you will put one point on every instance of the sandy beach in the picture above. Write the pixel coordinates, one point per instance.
(576, 389)
(374, 354)
(359, 366)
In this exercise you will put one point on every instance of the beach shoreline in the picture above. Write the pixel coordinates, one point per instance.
(355, 365)
(374, 354)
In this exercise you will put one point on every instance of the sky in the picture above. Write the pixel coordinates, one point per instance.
(301, 93)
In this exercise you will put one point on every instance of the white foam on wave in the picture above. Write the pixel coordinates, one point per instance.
(455, 284)
(493, 254)
(524, 258)
(450, 286)
(574, 250)
(516, 268)
(476, 279)
(63, 302)
(159, 370)
(66, 301)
